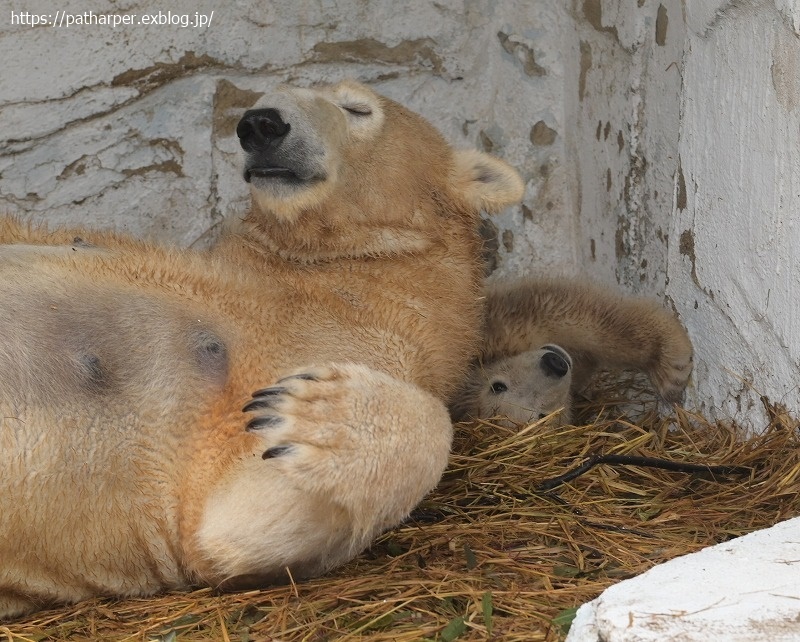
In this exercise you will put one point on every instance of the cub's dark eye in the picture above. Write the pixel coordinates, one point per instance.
(358, 109)
(498, 387)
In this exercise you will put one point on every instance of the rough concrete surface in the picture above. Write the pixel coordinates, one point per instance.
(745, 590)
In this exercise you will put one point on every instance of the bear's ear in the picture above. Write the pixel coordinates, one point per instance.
(486, 182)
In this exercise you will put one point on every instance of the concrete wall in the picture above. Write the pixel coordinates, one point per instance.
(658, 138)
(691, 184)
(734, 271)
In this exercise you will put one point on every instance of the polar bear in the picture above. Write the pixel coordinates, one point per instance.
(518, 389)
(173, 418)
(543, 339)
(260, 410)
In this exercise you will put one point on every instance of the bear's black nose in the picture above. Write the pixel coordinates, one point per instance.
(260, 127)
(555, 362)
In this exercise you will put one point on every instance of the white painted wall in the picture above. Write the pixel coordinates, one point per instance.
(690, 186)
(660, 139)
(734, 270)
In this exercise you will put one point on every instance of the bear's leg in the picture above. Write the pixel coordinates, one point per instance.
(339, 454)
(597, 326)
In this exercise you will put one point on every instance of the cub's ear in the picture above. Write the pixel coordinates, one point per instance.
(486, 182)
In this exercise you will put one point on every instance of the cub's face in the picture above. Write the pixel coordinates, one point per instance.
(526, 387)
(344, 148)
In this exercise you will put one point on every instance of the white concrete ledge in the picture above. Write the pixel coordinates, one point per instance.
(745, 590)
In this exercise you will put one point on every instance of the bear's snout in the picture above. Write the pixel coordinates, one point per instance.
(259, 128)
(272, 154)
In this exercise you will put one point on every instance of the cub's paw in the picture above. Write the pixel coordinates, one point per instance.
(674, 363)
(348, 432)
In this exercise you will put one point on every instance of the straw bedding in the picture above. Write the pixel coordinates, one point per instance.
(487, 555)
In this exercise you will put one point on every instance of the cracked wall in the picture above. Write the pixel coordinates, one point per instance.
(735, 277)
(687, 151)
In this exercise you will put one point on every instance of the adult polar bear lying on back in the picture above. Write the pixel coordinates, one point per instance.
(147, 441)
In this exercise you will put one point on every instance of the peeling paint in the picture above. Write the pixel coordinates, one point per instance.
(687, 249)
(680, 197)
(165, 167)
(786, 72)
(162, 73)
(508, 240)
(593, 12)
(229, 103)
(586, 64)
(527, 212)
(419, 52)
(521, 52)
(620, 243)
(662, 24)
(75, 168)
(542, 135)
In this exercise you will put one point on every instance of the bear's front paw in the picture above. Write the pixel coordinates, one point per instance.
(287, 415)
(674, 366)
(352, 434)
(334, 455)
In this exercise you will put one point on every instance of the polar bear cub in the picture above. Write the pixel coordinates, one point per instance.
(543, 339)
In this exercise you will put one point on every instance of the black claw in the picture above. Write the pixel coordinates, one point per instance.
(269, 392)
(276, 451)
(267, 421)
(259, 403)
(304, 376)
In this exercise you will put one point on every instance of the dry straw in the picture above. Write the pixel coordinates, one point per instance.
(487, 556)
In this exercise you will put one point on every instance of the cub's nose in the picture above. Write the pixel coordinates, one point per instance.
(258, 128)
(555, 362)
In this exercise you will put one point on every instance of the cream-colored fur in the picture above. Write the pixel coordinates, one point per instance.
(595, 325)
(518, 389)
(147, 441)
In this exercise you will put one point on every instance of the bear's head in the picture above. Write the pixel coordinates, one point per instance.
(522, 388)
(341, 171)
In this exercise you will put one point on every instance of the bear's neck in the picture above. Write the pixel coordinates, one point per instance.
(309, 240)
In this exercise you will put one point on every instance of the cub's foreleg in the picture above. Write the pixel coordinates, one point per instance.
(337, 455)
(595, 325)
